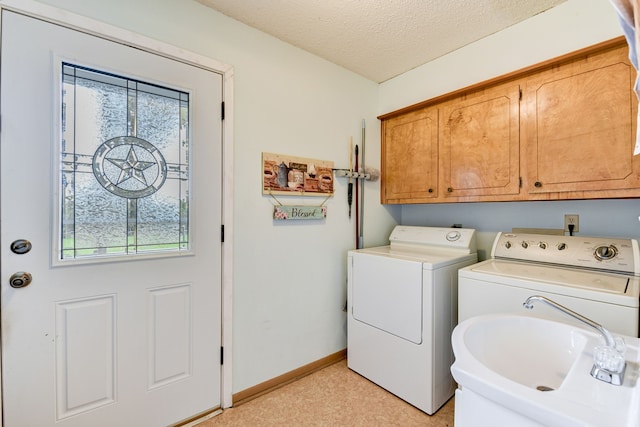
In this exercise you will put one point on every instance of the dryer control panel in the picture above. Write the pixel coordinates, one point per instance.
(601, 253)
(417, 238)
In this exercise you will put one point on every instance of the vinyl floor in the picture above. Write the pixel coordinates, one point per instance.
(334, 396)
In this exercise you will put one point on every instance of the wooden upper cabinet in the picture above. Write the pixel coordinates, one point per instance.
(579, 122)
(563, 129)
(410, 157)
(480, 143)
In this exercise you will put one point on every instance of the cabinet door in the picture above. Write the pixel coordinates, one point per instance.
(410, 157)
(579, 127)
(480, 143)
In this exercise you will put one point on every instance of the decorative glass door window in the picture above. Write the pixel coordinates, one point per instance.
(124, 184)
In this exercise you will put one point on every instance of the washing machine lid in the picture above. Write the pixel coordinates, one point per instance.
(613, 288)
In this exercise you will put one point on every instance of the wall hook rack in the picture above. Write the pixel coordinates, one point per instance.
(368, 174)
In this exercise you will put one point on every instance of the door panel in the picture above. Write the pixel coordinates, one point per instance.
(387, 294)
(85, 354)
(132, 339)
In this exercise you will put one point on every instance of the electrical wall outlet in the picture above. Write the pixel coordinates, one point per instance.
(572, 219)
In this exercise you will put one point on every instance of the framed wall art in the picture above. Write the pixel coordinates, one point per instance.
(289, 175)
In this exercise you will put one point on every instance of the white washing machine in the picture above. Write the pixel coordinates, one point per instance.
(596, 277)
(402, 308)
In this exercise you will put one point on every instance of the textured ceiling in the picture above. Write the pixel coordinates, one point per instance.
(380, 39)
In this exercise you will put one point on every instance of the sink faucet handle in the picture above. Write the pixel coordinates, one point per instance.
(620, 345)
(608, 358)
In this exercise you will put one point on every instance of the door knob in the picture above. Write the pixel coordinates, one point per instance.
(20, 279)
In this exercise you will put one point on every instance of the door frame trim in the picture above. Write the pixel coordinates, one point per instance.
(118, 35)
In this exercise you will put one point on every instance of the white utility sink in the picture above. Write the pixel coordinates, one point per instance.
(526, 371)
(517, 351)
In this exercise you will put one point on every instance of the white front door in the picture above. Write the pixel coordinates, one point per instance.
(110, 169)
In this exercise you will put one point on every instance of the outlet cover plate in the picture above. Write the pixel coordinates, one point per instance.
(572, 219)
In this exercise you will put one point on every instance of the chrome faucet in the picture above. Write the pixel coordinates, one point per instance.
(608, 338)
(609, 364)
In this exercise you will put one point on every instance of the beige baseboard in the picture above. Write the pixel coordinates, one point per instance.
(257, 390)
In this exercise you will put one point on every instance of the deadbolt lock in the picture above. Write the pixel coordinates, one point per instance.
(20, 246)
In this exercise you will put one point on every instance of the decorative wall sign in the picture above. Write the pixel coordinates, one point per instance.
(299, 212)
(288, 175)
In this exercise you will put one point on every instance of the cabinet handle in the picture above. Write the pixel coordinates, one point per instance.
(450, 190)
(430, 190)
(538, 184)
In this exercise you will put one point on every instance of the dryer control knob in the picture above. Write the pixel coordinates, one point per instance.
(542, 245)
(525, 245)
(507, 245)
(452, 236)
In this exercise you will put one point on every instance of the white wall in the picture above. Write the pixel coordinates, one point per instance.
(289, 278)
(571, 26)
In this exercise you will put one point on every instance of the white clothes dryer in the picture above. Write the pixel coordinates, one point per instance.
(402, 308)
(596, 277)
